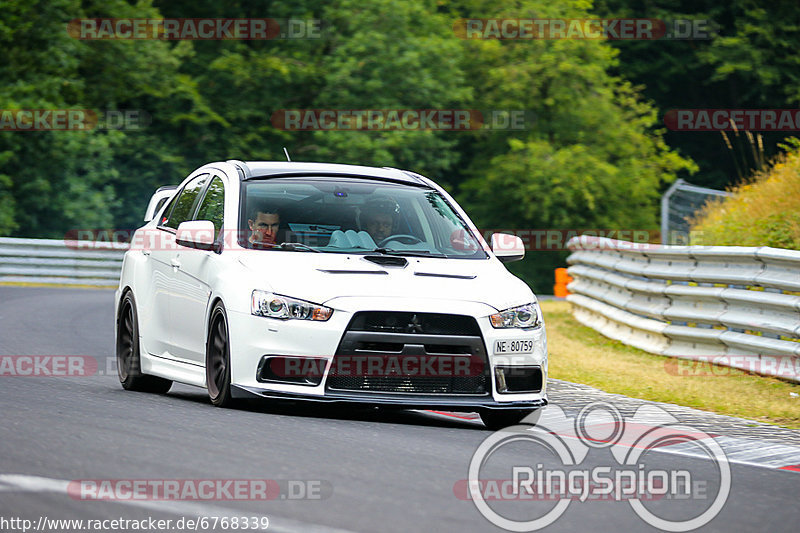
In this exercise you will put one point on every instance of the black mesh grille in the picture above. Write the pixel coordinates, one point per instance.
(447, 349)
(414, 323)
(414, 385)
(425, 336)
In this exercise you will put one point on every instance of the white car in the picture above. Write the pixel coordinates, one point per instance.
(331, 283)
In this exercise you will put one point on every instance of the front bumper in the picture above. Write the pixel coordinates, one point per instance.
(253, 338)
(449, 403)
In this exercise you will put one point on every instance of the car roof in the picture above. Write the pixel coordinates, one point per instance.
(266, 169)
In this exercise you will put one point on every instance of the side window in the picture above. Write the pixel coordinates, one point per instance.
(213, 206)
(159, 205)
(185, 202)
(168, 209)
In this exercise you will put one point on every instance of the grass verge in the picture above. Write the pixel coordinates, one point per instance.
(582, 355)
(763, 211)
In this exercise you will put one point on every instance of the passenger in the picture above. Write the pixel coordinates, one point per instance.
(378, 218)
(379, 225)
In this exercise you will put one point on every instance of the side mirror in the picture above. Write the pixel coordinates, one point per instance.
(199, 234)
(507, 247)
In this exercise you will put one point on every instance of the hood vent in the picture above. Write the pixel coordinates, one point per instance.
(387, 260)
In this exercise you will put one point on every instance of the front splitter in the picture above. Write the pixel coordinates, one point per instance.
(450, 403)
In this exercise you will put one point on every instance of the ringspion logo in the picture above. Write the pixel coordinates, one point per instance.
(547, 465)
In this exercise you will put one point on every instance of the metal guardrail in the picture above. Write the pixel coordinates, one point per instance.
(738, 306)
(59, 262)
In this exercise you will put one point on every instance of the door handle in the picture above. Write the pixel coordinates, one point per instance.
(145, 252)
(176, 263)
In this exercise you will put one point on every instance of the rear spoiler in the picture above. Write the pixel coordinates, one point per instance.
(158, 200)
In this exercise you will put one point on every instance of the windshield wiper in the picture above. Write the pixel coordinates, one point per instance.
(408, 253)
(296, 247)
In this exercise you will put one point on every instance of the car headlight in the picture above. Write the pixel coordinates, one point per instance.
(272, 305)
(523, 316)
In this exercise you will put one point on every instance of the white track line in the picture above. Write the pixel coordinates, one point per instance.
(37, 484)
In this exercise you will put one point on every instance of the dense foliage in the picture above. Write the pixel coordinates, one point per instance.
(596, 156)
(750, 63)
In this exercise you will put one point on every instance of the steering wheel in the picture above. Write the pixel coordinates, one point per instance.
(402, 237)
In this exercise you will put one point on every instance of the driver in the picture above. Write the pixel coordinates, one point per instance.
(264, 223)
(378, 219)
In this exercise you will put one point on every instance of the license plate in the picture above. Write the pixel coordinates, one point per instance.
(513, 346)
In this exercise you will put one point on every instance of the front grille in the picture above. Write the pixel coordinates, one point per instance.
(415, 323)
(412, 352)
(390, 347)
(412, 385)
(447, 349)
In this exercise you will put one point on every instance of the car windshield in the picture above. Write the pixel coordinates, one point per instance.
(352, 216)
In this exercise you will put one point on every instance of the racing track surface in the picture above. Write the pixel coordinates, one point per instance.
(382, 471)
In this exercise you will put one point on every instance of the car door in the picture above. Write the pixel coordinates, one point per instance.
(165, 265)
(189, 302)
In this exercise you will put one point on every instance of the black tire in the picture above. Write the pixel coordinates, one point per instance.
(129, 366)
(218, 358)
(497, 419)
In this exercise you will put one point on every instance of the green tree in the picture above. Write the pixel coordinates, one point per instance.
(751, 62)
(62, 180)
(594, 158)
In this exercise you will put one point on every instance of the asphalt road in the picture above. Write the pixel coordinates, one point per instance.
(372, 470)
